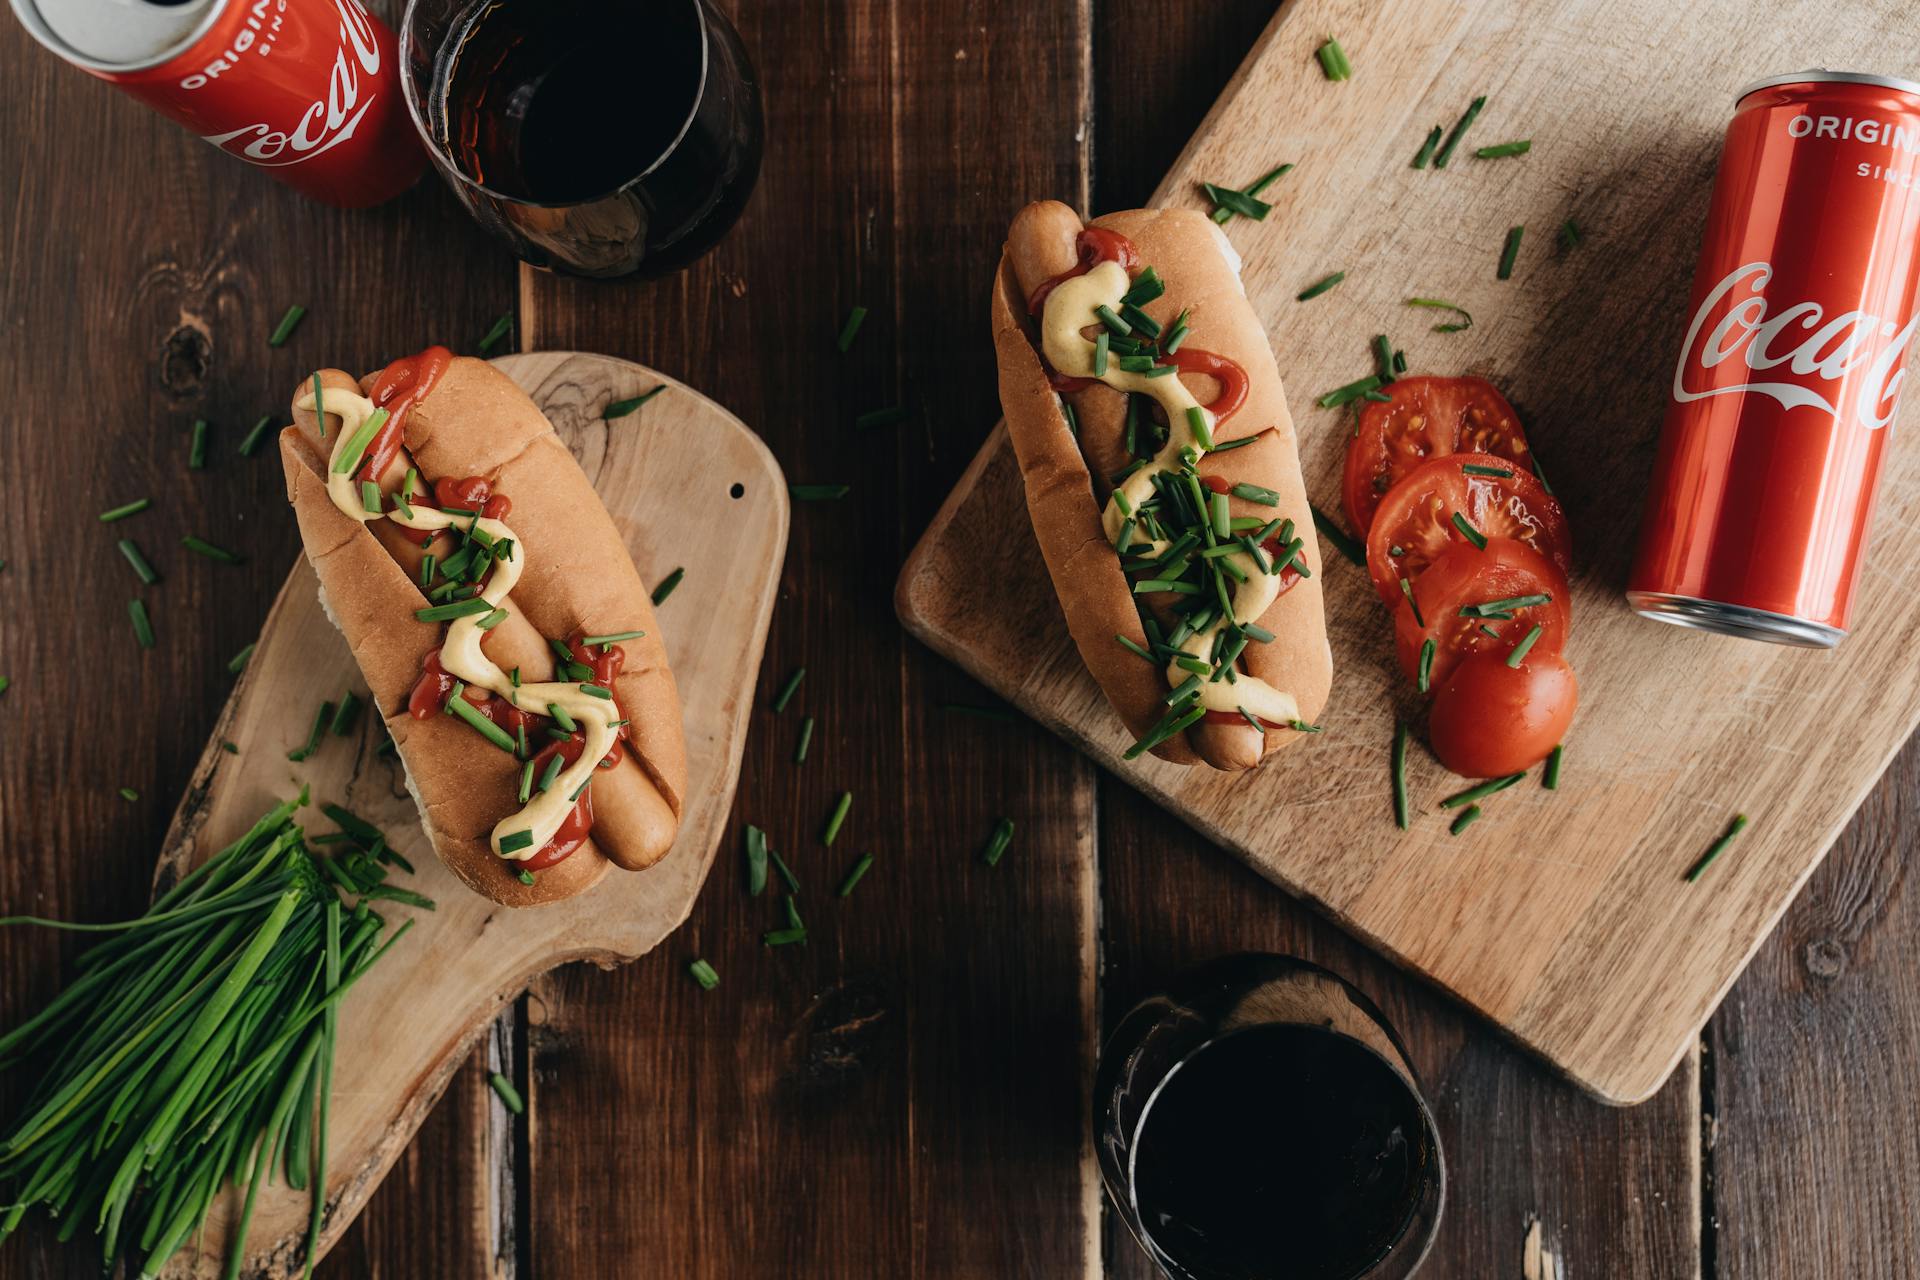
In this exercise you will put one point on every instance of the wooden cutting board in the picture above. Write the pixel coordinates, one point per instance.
(1564, 917)
(690, 486)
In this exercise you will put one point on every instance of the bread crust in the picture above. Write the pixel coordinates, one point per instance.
(1065, 495)
(476, 421)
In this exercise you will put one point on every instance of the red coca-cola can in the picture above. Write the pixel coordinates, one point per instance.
(1790, 375)
(308, 90)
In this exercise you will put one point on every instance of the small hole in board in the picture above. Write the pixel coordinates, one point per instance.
(739, 490)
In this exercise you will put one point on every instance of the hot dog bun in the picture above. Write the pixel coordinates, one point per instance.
(576, 576)
(1067, 478)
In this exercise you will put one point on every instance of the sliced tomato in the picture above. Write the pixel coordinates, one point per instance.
(1490, 719)
(1496, 499)
(1448, 607)
(1425, 418)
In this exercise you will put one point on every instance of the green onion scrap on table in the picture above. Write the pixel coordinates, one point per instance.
(193, 1048)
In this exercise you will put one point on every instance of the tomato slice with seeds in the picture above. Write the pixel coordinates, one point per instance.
(1467, 577)
(1490, 719)
(1423, 418)
(1415, 525)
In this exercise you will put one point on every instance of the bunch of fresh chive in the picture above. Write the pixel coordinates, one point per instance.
(194, 1049)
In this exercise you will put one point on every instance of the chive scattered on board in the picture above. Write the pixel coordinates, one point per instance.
(787, 690)
(288, 323)
(1517, 148)
(1550, 776)
(806, 738)
(1481, 791)
(1334, 62)
(5, 683)
(621, 408)
(1468, 816)
(1424, 156)
(201, 547)
(1718, 847)
(783, 937)
(855, 318)
(1441, 304)
(1401, 811)
(1339, 396)
(347, 715)
(502, 328)
(819, 492)
(129, 795)
(1510, 252)
(238, 662)
(1315, 290)
(133, 508)
(1223, 214)
(139, 562)
(703, 973)
(197, 446)
(1341, 541)
(838, 817)
(1441, 156)
(142, 625)
(667, 584)
(509, 1096)
(1569, 235)
(1236, 202)
(320, 721)
(786, 873)
(996, 846)
(756, 845)
(860, 869)
(250, 443)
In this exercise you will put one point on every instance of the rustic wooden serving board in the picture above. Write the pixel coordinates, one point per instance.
(1563, 917)
(689, 485)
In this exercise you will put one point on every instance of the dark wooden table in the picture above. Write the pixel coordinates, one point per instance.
(906, 1096)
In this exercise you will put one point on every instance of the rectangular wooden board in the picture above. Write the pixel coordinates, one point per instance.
(1564, 917)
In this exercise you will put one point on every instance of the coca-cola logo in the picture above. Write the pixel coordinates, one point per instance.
(1827, 352)
(328, 122)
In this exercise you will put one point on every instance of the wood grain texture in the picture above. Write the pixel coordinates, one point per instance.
(687, 485)
(1591, 954)
(905, 1095)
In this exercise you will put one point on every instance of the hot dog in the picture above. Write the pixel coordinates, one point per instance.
(462, 551)
(1163, 479)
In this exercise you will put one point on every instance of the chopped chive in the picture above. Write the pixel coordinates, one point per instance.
(238, 661)
(1345, 544)
(1145, 288)
(1425, 154)
(197, 446)
(1427, 651)
(427, 564)
(355, 449)
(1352, 391)
(1383, 357)
(347, 714)
(1489, 631)
(783, 937)
(1510, 251)
(321, 719)
(1113, 322)
(874, 419)
(526, 781)
(1538, 474)
(1232, 201)
(596, 691)
(1518, 148)
(1468, 816)
(1474, 469)
(1519, 653)
(1176, 721)
(1398, 771)
(502, 327)
(1149, 585)
(526, 876)
(1333, 60)
(229, 748)
(1406, 589)
(1441, 156)
(139, 562)
(1569, 235)
(1257, 494)
(703, 973)
(819, 492)
(612, 638)
(551, 774)
(806, 737)
(839, 815)
(1224, 214)
(1301, 726)
(852, 327)
(1718, 847)
(1550, 776)
(448, 612)
(521, 748)
(1505, 605)
(370, 497)
(288, 323)
(621, 408)
(1491, 786)
(1399, 362)
(1468, 532)
(1315, 290)
(996, 846)
(492, 620)
(515, 841)
(129, 795)
(1133, 647)
(200, 547)
(1378, 397)
(319, 405)
(487, 729)
(1241, 443)
(1073, 422)
(1102, 343)
(756, 860)
(786, 693)
(860, 869)
(133, 508)
(250, 443)
(786, 872)
(142, 625)
(509, 1096)
(1441, 304)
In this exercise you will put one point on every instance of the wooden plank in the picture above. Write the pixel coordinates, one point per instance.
(1616, 1192)
(1813, 1072)
(1592, 955)
(146, 271)
(905, 1095)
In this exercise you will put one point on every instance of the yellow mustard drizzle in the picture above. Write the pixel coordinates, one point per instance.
(1069, 309)
(461, 653)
